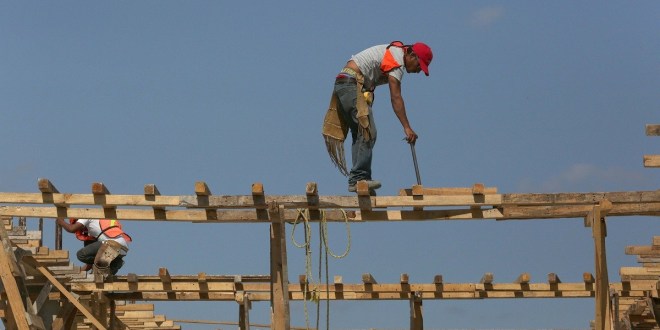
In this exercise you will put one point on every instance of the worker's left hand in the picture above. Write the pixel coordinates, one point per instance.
(411, 136)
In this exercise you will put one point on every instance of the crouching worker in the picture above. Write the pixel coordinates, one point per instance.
(105, 243)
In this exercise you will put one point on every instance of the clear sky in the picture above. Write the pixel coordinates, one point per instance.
(525, 96)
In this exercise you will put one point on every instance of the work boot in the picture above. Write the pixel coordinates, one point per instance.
(372, 184)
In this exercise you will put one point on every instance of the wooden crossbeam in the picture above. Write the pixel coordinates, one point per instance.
(293, 201)
(487, 278)
(653, 130)
(10, 285)
(45, 186)
(29, 260)
(476, 189)
(373, 291)
(197, 215)
(651, 160)
(201, 189)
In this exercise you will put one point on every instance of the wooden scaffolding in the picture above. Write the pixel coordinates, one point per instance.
(41, 289)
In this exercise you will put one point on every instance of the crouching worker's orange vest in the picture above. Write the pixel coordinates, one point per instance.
(109, 227)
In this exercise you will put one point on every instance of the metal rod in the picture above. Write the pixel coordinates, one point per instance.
(414, 155)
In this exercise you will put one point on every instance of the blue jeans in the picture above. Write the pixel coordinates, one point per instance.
(361, 150)
(88, 253)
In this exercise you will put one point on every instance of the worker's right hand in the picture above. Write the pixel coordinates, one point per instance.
(411, 136)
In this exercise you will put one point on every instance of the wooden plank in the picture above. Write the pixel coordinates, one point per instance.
(429, 191)
(164, 275)
(416, 312)
(257, 189)
(553, 278)
(14, 298)
(523, 278)
(602, 306)
(201, 189)
(581, 198)
(652, 130)
(651, 160)
(431, 201)
(29, 260)
(150, 191)
(45, 186)
(487, 278)
(577, 211)
(293, 201)
(367, 278)
(362, 188)
(98, 188)
(280, 318)
(642, 250)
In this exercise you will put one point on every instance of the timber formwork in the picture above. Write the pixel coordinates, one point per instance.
(43, 290)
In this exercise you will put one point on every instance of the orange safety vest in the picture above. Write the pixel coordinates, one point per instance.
(389, 63)
(109, 227)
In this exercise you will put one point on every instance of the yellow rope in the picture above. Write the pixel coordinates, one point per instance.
(323, 229)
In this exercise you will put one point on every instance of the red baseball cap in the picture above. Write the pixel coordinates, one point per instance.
(424, 54)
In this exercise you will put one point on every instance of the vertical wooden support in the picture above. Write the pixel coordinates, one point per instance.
(112, 322)
(47, 190)
(243, 310)
(416, 316)
(10, 285)
(100, 310)
(279, 282)
(30, 261)
(603, 306)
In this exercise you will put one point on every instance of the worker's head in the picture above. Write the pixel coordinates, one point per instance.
(418, 57)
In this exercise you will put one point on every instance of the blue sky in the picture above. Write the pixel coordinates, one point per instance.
(525, 96)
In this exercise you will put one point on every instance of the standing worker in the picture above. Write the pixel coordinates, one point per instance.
(350, 105)
(106, 243)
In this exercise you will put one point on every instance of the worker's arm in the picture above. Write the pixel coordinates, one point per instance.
(72, 228)
(400, 108)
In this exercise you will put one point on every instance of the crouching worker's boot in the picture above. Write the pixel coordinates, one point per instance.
(108, 251)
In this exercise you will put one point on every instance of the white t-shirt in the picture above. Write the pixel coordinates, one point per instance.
(94, 229)
(369, 61)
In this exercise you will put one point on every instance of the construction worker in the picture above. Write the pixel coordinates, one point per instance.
(105, 243)
(350, 105)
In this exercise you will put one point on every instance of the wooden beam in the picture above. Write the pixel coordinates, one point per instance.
(430, 191)
(652, 130)
(11, 289)
(602, 306)
(29, 260)
(150, 190)
(553, 278)
(651, 160)
(523, 278)
(45, 186)
(201, 189)
(280, 318)
(367, 278)
(487, 278)
(164, 275)
(98, 188)
(416, 312)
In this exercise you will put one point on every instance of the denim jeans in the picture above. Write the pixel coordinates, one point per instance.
(88, 253)
(361, 150)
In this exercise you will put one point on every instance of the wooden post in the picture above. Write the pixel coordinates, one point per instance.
(30, 261)
(602, 304)
(279, 282)
(11, 290)
(416, 316)
(243, 310)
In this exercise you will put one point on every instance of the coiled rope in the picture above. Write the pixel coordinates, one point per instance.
(303, 214)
